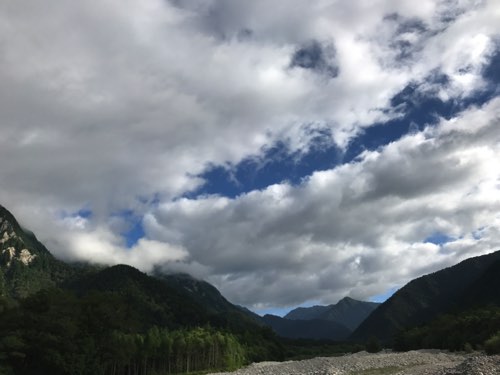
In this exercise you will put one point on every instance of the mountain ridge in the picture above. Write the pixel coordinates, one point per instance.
(26, 266)
(59, 318)
(348, 311)
(426, 297)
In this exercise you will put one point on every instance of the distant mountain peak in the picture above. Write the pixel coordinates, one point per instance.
(348, 300)
(348, 312)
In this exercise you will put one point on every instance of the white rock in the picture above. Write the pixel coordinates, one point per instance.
(5, 237)
(26, 257)
(11, 252)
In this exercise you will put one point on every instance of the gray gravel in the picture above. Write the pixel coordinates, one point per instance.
(419, 362)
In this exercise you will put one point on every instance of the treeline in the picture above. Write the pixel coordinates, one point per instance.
(58, 332)
(473, 329)
(54, 332)
(160, 351)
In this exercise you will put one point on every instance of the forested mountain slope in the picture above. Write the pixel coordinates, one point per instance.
(307, 329)
(26, 266)
(456, 288)
(56, 318)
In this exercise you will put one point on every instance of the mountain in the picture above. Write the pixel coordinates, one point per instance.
(122, 321)
(473, 323)
(88, 320)
(208, 296)
(348, 312)
(457, 288)
(26, 266)
(250, 314)
(152, 301)
(481, 293)
(200, 291)
(307, 313)
(307, 329)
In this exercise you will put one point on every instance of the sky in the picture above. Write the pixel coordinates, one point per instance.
(289, 152)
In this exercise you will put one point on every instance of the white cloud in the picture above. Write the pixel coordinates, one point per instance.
(358, 229)
(113, 104)
(103, 247)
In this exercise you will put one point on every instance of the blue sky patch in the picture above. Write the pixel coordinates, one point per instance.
(439, 238)
(491, 71)
(419, 110)
(279, 311)
(84, 213)
(282, 311)
(277, 164)
(134, 230)
(478, 233)
(280, 165)
(384, 296)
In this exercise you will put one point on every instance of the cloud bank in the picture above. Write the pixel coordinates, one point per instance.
(358, 229)
(120, 106)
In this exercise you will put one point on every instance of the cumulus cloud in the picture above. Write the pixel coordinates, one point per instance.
(358, 229)
(102, 246)
(121, 105)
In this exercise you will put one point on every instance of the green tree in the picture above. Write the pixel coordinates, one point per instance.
(492, 345)
(373, 345)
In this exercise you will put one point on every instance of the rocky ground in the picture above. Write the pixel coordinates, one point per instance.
(421, 362)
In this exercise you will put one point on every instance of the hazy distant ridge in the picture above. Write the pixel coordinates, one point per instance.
(348, 312)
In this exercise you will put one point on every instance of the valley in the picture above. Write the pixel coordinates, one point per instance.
(62, 318)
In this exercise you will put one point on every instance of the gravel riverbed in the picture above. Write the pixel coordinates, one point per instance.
(418, 362)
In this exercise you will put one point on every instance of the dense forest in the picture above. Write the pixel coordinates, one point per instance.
(59, 318)
(468, 285)
(56, 332)
(470, 330)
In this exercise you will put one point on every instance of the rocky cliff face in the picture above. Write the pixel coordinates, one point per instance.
(12, 246)
(26, 266)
